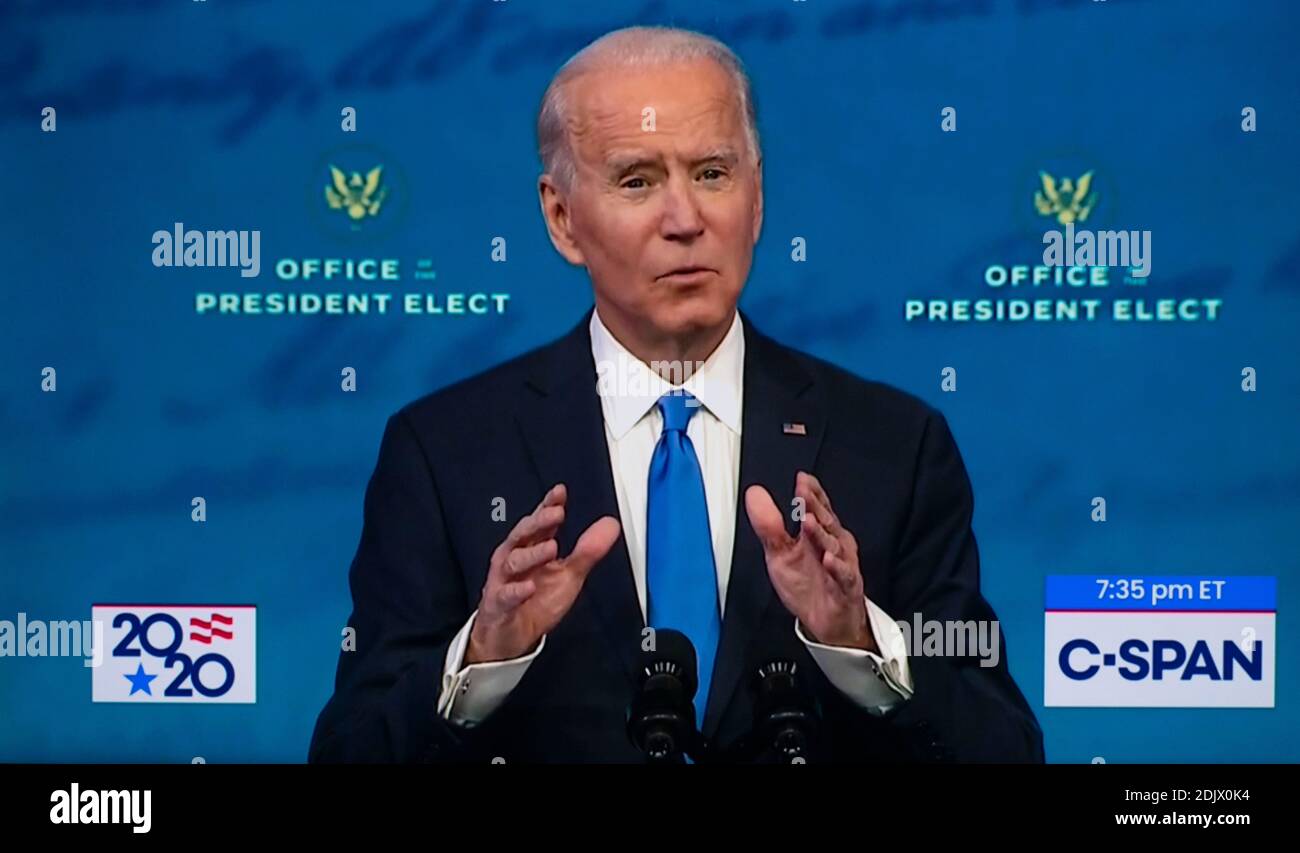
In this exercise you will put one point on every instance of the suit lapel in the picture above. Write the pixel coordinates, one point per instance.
(563, 426)
(776, 395)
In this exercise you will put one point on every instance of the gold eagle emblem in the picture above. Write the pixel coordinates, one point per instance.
(360, 197)
(1070, 202)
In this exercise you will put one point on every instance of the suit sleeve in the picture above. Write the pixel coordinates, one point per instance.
(959, 710)
(408, 602)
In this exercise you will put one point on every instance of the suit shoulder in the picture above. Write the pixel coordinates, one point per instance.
(491, 391)
(867, 400)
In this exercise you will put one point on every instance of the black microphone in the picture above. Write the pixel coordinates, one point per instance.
(785, 715)
(661, 720)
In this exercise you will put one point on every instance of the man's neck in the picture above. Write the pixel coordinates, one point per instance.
(666, 351)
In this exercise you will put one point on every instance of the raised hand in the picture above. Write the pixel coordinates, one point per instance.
(529, 588)
(815, 574)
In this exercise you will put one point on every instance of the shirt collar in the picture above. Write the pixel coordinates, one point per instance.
(629, 389)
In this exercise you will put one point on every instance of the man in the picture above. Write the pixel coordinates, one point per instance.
(666, 465)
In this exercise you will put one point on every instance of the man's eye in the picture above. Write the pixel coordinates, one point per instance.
(712, 174)
(634, 183)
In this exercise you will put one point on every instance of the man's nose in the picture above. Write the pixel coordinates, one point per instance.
(681, 217)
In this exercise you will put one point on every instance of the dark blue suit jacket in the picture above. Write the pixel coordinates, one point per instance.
(887, 461)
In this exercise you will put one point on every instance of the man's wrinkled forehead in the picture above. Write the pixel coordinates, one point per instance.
(695, 105)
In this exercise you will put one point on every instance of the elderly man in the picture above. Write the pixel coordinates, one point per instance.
(666, 465)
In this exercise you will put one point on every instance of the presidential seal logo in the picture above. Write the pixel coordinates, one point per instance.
(356, 196)
(1068, 201)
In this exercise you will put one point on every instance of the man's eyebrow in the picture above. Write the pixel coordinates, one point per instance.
(619, 163)
(722, 153)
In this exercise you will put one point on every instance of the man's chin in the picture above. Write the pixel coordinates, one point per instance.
(685, 319)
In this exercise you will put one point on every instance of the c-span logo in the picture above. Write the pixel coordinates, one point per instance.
(177, 653)
(1118, 641)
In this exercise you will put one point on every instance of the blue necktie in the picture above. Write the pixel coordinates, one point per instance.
(681, 581)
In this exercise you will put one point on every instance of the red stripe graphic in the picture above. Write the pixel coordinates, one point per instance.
(207, 626)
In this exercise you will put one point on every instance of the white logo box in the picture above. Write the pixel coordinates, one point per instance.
(1108, 631)
(184, 653)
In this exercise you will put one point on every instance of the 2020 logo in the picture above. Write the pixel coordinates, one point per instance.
(177, 653)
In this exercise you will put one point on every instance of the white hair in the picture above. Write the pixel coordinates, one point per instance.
(632, 47)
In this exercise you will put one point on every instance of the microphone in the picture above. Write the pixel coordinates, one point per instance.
(785, 715)
(661, 720)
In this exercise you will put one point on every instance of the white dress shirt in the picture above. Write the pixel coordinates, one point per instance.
(629, 391)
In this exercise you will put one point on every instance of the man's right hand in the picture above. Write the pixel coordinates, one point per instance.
(528, 589)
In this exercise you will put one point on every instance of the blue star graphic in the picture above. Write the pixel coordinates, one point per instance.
(139, 681)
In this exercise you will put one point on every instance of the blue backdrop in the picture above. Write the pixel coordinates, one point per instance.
(221, 114)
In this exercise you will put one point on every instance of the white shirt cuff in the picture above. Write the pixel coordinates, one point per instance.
(470, 693)
(875, 682)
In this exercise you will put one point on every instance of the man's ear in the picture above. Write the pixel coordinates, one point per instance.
(758, 199)
(559, 222)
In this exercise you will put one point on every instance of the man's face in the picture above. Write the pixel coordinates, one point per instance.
(664, 220)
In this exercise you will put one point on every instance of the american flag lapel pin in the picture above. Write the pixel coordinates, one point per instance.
(794, 429)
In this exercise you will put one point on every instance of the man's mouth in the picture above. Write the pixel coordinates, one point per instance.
(687, 272)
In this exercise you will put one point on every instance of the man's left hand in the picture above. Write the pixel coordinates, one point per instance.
(816, 574)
